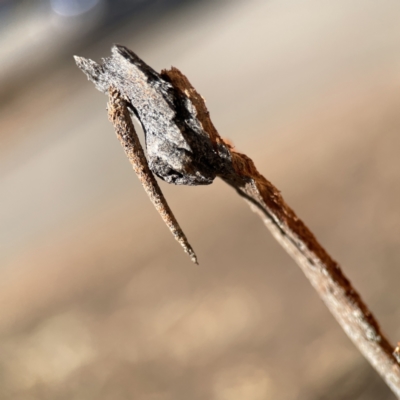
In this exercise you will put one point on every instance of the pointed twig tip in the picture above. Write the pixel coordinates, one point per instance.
(193, 257)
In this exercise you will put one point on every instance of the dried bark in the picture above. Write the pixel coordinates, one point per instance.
(183, 147)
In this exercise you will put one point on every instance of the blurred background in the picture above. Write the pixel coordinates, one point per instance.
(97, 299)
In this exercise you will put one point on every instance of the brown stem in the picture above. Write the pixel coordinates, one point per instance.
(343, 301)
(323, 272)
(182, 136)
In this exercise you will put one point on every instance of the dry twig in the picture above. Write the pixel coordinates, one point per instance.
(183, 147)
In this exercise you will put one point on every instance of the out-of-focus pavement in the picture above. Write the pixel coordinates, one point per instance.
(97, 299)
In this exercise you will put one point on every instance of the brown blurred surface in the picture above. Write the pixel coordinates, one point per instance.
(99, 302)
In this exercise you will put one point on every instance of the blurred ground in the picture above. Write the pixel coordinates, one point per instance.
(99, 302)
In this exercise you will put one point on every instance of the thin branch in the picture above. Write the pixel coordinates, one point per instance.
(183, 147)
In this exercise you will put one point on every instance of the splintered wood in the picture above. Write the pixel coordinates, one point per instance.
(118, 114)
(183, 147)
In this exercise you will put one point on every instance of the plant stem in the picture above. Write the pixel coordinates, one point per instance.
(177, 122)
